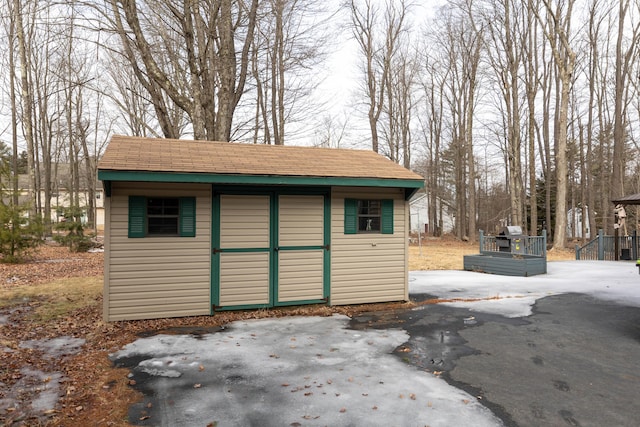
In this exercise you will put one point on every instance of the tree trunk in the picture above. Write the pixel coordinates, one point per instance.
(27, 105)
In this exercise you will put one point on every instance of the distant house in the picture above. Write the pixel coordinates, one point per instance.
(60, 196)
(194, 227)
(419, 206)
(575, 218)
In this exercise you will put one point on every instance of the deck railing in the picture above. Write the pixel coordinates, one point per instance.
(533, 245)
(603, 248)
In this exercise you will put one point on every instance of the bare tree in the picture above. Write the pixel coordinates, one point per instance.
(506, 58)
(11, 40)
(289, 40)
(556, 25)
(531, 81)
(461, 41)
(332, 132)
(27, 98)
(366, 24)
(432, 122)
(187, 52)
(624, 57)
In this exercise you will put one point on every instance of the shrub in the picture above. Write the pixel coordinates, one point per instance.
(19, 235)
(72, 231)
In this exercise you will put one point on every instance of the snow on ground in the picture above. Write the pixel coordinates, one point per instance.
(309, 371)
(608, 280)
(315, 371)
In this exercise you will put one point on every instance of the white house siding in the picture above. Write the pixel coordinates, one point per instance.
(368, 267)
(155, 277)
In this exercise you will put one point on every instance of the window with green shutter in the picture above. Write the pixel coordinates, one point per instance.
(162, 216)
(187, 217)
(137, 216)
(350, 216)
(386, 220)
(368, 216)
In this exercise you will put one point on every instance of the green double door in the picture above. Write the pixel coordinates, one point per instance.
(269, 249)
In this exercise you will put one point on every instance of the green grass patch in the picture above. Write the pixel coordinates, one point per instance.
(54, 299)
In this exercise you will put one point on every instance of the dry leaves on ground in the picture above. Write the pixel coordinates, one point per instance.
(94, 391)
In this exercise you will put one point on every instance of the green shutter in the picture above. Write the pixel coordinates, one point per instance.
(187, 217)
(350, 216)
(387, 217)
(137, 216)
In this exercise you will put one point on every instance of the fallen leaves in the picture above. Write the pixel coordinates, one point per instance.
(94, 390)
(49, 263)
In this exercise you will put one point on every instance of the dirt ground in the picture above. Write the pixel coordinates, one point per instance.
(88, 389)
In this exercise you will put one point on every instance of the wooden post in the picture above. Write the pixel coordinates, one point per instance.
(616, 244)
(600, 244)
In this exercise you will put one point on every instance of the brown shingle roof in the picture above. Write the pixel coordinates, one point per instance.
(186, 156)
(633, 199)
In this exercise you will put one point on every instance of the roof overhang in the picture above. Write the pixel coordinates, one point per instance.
(410, 186)
(633, 199)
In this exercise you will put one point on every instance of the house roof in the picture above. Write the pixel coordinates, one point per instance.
(633, 199)
(170, 160)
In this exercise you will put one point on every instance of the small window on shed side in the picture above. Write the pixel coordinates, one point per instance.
(162, 216)
(368, 216)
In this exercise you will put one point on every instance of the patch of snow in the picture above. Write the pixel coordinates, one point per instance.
(43, 386)
(515, 296)
(314, 370)
(55, 347)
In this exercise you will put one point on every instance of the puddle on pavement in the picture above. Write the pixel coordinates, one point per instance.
(435, 343)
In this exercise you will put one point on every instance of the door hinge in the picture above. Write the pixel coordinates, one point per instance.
(326, 247)
(215, 250)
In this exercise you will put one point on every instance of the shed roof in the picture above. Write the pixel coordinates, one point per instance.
(633, 199)
(171, 160)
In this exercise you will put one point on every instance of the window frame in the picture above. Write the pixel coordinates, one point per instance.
(138, 226)
(353, 215)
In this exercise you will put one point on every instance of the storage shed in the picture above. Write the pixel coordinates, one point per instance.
(194, 227)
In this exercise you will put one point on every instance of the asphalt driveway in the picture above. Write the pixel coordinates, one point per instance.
(573, 362)
(521, 352)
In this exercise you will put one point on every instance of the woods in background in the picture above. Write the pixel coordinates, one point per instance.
(515, 112)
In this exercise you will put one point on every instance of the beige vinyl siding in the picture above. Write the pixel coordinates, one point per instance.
(244, 278)
(300, 275)
(244, 224)
(368, 267)
(301, 220)
(301, 223)
(155, 277)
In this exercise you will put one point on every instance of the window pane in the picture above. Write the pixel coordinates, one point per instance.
(163, 206)
(163, 216)
(163, 226)
(369, 207)
(368, 223)
(369, 212)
